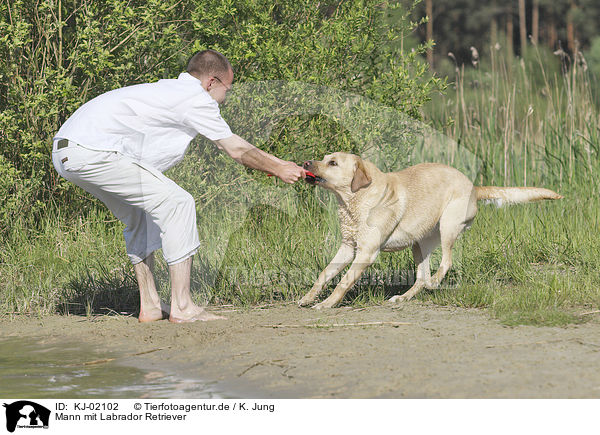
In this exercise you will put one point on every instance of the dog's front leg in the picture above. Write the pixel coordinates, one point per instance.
(364, 258)
(343, 257)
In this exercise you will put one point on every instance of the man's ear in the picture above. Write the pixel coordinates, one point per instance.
(361, 177)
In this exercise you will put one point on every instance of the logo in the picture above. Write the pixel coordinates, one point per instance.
(26, 414)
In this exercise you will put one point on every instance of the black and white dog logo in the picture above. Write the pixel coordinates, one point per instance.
(26, 414)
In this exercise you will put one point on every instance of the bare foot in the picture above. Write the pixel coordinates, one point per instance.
(154, 313)
(194, 315)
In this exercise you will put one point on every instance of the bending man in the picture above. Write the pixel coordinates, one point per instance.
(116, 147)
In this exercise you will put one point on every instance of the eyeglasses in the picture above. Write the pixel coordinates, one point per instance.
(227, 88)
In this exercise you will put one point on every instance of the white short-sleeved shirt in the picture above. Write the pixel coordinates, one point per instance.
(153, 123)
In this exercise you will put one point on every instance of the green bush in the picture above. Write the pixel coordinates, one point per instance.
(57, 54)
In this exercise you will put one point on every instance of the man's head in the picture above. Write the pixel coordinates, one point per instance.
(214, 71)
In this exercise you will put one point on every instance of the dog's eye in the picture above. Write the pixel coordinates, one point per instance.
(332, 163)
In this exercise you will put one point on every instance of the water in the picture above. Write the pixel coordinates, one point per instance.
(37, 369)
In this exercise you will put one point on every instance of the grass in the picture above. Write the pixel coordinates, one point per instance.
(532, 122)
(530, 264)
(528, 122)
(67, 267)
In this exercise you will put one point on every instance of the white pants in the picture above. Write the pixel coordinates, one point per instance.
(156, 211)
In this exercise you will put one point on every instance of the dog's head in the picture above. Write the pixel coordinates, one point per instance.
(340, 172)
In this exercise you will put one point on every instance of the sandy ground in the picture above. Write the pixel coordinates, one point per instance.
(415, 351)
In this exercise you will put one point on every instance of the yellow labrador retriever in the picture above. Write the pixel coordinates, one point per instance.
(420, 206)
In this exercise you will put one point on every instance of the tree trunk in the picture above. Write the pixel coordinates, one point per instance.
(522, 27)
(552, 33)
(509, 31)
(535, 21)
(571, 29)
(429, 12)
(494, 25)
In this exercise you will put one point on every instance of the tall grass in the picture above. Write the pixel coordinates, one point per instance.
(530, 122)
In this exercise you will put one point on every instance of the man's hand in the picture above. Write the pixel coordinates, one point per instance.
(289, 172)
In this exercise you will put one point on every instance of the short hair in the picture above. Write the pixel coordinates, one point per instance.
(208, 62)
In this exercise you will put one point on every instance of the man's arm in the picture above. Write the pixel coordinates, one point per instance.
(248, 155)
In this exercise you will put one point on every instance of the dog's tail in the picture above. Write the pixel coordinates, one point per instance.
(514, 195)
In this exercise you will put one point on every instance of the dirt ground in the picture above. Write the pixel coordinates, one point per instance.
(415, 351)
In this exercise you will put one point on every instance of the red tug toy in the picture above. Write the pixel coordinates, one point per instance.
(310, 177)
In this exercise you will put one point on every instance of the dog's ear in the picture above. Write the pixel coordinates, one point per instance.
(361, 177)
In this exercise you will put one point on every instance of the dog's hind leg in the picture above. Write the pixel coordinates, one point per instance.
(343, 257)
(364, 258)
(421, 253)
(453, 222)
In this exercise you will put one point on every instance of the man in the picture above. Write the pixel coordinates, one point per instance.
(116, 147)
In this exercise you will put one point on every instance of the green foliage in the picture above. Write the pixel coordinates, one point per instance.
(54, 56)
(57, 54)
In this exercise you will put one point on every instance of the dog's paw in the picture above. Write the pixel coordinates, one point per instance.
(305, 302)
(321, 306)
(327, 303)
(398, 299)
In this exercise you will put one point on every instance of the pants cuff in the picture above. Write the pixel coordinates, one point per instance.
(183, 258)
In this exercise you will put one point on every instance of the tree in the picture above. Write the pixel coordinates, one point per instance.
(509, 29)
(535, 21)
(522, 27)
(494, 24)
(429, 11)
(571, 28)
